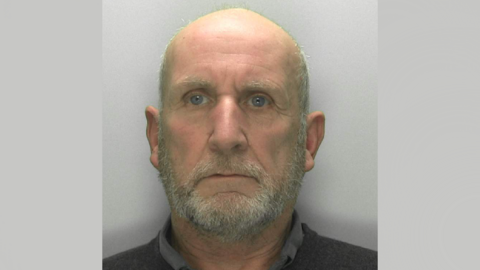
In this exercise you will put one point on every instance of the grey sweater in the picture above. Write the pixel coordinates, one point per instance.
(316, 252)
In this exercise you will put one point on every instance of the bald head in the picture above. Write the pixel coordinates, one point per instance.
(239, 31)
(237, 24)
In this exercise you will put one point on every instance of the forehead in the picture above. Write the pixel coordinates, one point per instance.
(244, 40)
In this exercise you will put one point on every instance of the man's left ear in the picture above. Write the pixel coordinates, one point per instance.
(315, 133)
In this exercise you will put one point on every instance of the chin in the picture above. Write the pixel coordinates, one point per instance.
(230, 216)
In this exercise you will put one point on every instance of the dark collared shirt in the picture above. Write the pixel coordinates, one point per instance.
(289, 250)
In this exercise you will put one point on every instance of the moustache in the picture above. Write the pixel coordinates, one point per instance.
(226, 166)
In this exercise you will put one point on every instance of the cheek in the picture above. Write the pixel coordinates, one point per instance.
(184, 141)
(274, 145)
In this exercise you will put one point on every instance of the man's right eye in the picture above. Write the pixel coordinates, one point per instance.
(198, 99)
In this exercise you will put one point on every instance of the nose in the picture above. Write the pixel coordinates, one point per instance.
(227, 121)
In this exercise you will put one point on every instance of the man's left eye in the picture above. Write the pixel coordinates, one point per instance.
(258, 101)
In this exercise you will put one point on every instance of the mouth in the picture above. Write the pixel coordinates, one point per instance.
(230, 176)
(227, 175)
(227, 184)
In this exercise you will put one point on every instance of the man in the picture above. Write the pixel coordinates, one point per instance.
(232, 141)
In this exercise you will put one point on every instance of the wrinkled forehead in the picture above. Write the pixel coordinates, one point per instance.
(227, 40)
(235, 32)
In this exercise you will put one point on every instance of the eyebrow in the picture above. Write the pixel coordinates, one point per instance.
(261, 85)
(193, 82)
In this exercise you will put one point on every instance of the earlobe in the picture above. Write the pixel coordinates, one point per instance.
(152, 116)
(315, 134)
(309, 162)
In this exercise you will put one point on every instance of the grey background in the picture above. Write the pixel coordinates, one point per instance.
(339, 197)
(429, 148)
(51, 141)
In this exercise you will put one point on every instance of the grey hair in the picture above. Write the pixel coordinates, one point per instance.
(303, 85)
(163, 78)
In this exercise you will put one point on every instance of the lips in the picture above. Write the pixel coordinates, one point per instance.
(227, 175)
(220, 175)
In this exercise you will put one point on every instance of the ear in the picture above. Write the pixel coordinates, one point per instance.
(315, 133)
(152, 133)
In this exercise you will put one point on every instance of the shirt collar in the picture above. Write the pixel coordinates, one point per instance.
(293, 242)
(170, 255)
(287, 255)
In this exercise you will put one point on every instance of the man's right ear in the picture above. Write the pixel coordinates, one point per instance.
(152, 133)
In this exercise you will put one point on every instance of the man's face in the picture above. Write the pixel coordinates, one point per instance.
(230, 154)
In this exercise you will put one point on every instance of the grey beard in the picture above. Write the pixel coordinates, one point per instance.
(236, 218)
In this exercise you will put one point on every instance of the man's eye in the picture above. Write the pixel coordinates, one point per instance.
(198, 99)
(259, 101)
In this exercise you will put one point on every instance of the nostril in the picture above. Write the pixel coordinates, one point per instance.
(227, 142)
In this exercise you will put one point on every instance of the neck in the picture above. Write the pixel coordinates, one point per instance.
(201, 251)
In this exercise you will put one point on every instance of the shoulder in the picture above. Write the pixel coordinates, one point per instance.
(143, 257)
(325, 253)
